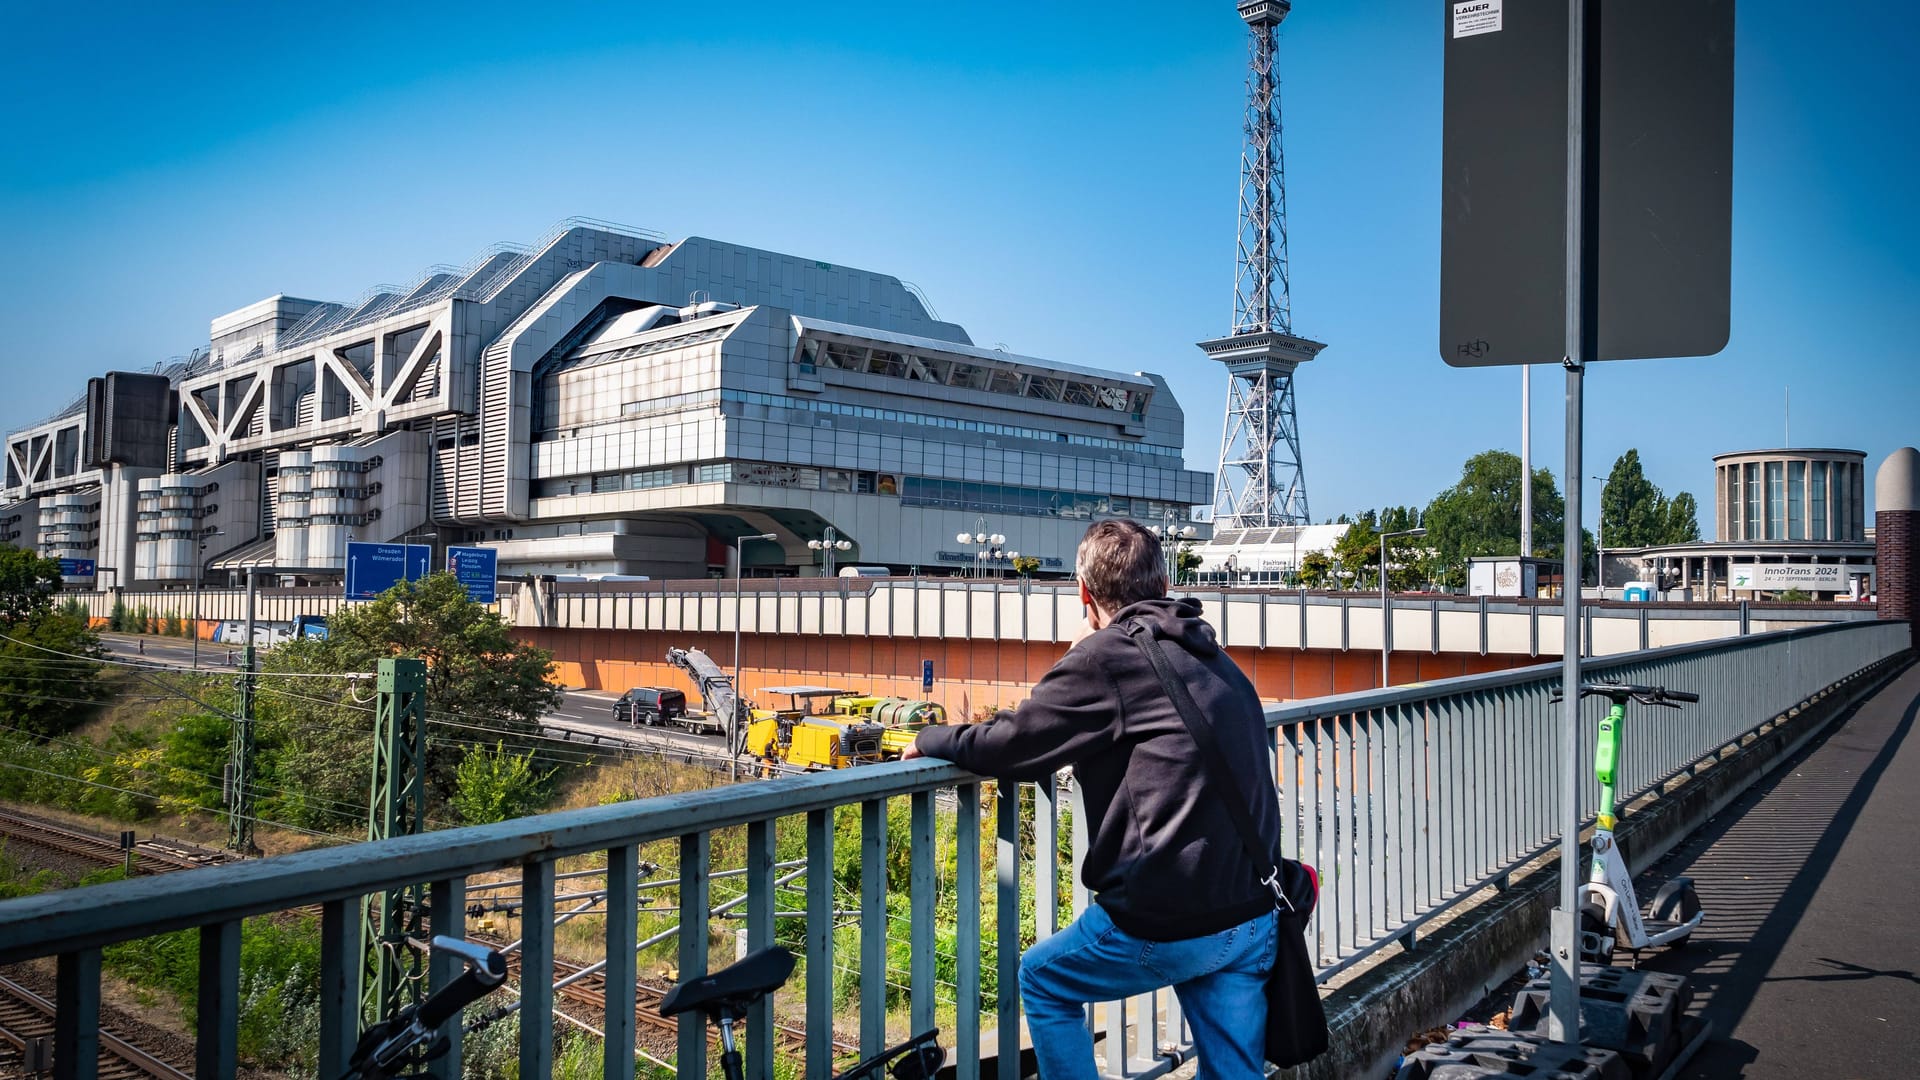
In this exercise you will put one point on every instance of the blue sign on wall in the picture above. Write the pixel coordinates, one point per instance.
(476, 568)
(926, 676)
(76, 567)
(374, 568)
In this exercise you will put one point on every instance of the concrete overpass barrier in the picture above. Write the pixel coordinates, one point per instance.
(1048, 612)
(1410, 800)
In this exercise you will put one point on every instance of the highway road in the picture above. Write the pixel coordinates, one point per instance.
(582, 715)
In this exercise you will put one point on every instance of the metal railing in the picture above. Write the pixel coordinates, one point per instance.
(1412, 799)
(1409, 801)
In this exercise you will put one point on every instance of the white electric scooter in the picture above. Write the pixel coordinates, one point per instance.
(1609, 908)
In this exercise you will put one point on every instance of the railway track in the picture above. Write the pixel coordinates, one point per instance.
(592, 991)
(158, 856)
(154, 856)
(26, 1017)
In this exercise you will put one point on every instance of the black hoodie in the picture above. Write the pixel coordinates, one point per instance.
(1163, 858)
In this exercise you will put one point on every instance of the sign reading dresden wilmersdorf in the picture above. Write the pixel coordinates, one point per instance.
(1661, 180)
(1812, 577)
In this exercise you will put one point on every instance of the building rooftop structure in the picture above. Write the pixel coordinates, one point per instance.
(604, 401)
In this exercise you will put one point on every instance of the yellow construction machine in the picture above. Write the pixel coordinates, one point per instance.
(900, 719)
(824, 727)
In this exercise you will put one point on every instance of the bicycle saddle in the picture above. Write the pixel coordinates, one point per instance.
(731, 989)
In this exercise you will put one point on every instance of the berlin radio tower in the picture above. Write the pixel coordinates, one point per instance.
(1261, 483)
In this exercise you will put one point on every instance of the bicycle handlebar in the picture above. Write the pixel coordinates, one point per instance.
(388, 1046)
(1647, 695)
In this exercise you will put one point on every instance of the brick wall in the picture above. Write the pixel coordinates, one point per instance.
(1897, 565)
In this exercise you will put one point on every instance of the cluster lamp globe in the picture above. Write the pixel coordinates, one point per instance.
(830, 543)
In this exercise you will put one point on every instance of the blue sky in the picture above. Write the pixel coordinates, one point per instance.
(1058, 178)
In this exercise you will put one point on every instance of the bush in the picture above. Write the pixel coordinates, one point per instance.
(494, 785)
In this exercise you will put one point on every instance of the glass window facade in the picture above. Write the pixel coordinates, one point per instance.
(1817, 500)
(1796, 500)
(1792, 496)
(901, 416)
(1776, 500)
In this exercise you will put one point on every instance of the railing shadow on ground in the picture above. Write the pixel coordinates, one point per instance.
(1758, 867)
(1410, 800)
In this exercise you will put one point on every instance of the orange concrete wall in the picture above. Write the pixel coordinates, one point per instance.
(968, 675)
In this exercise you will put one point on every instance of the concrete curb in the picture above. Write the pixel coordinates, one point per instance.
(1459, 962)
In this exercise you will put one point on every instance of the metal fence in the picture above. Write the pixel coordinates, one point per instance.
(1411, 799)
(1408, 800)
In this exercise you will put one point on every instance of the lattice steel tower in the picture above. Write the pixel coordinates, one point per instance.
(1261, 483)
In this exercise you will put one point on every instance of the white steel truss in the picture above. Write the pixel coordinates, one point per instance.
(1261, 483)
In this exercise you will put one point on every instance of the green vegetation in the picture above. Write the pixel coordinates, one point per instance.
(484, 688)
(1185, 561)
(1480, 515)
(1635, 513)
(494, 785)
(48, 657)
(279, 972)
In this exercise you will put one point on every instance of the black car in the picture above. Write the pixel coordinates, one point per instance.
(649, 705)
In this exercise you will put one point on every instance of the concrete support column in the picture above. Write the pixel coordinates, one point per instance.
(1896, 492)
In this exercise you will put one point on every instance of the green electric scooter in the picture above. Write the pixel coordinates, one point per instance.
(1609, 909)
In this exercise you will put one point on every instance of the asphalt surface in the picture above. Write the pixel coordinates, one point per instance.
(1808, 963)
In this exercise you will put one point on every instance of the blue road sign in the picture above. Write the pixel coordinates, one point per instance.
(374, 568)
(76, 567)
(477, 568)
(926, 676)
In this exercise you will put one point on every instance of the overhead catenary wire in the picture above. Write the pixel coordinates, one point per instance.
(100, 753)
(149, 795)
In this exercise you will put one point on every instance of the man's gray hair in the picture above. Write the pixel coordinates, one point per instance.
(1121, 563)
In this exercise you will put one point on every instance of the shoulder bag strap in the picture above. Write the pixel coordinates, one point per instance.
(1211, 757)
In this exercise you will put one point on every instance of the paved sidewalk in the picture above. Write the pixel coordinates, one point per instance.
(1807, 963)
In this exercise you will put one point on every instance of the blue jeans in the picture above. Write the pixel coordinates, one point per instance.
(1220, 980)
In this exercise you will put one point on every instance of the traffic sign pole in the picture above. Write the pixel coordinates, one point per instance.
(1563, 1025)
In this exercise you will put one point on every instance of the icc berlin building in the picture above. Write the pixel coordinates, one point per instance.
(604, 402)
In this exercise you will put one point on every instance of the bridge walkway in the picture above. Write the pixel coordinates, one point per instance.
(1809, 961)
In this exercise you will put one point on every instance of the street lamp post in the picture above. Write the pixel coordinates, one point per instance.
(739, 695)
(1170, 536)
(986, 546)
(829, 544)
(199, 572)
(1599, 544)
(1386, 612)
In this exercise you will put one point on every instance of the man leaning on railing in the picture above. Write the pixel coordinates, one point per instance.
(1178, 900)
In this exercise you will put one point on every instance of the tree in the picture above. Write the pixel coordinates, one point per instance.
(1683, 520)
(1356, 554)
(1480, 515)
(1185, 562)
(1316, 570)
(483, 686)
(49, 670)
(27, 585)
(1025, 564)
(1635, 513)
